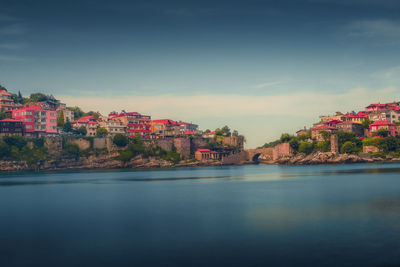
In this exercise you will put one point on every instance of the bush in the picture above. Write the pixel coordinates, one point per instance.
(323, 146)
(17, 141)
(305, 147)
(349, 148)
(120, 140)
(71, 150)
(102, 132)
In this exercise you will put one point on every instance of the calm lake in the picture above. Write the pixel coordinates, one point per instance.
(254, 215)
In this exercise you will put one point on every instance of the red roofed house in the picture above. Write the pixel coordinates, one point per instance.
(376, 107)
(316, 132)
(135, 122)
(37, 120)
(166, 127)
(186, 126)
(383, 124)
(11, 127)
(6, 102)
(350, 117)
(189, 133)
(89, 122)
(209, 135)
(203, 154)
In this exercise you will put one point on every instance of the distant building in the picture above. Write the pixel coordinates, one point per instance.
(351, 117)
(10, 127)
(316, 132)
(383, 124)
(37, 120)
(89, 122)
(302, 131)
(209, 135)
(113, 126)
(337, 116)
(165, 128)
(135, 122)
(6, 101)
(186, 126)
(351, 127)
(203, 154)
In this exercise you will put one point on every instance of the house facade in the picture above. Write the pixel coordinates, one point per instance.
(36, 120)
(383, 124)
(6, 102)
(89, 122)
(10, 127)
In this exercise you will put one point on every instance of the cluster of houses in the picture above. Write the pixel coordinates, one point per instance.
(382, 116)
(40, 119)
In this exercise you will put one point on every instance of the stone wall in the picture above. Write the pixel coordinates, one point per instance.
(234, 141)
(235, 158)
(183, 147)
(367, 149)
(165, 144)
(196, 143)
(99, 143)
(82, 143)
(53, 145)
(334, 144)
(281, 150)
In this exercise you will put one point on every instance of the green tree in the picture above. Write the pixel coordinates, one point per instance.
(305, 147)
(120, 140)
(366, 123)
(235, 133)
(294, 144)
(102, 131)
(67, 126)
(125, 156)
(15, 141)
(60, 120)
(285, 138)
(38, 97)
(71, 150)
(323, 146)
(392, 143)
(81, 130)
(381, 132)
(226, 131)
(349, 148)
(325, 135)
(207, 131)
(78, 113)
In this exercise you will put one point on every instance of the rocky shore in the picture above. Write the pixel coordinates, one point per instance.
(100, 162)
(328, 158)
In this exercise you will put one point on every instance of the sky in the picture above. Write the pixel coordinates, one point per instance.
(261, 67)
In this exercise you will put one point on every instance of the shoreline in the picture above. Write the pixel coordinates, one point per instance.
(106, 163)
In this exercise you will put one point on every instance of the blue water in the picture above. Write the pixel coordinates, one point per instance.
(255, 215)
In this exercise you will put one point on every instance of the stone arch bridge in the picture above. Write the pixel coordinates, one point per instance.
(260, 154)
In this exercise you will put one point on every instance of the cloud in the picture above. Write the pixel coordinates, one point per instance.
(12, 46)
(268, 84)
(12, 58)
(373, 28)
(12, 29)
(5, 17)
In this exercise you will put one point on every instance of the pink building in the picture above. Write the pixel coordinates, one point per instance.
(36, 120)
(383, 124)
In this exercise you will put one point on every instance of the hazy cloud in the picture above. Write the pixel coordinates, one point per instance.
(373, 28)
(12, 29)
(12, 58)
(12, 46)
